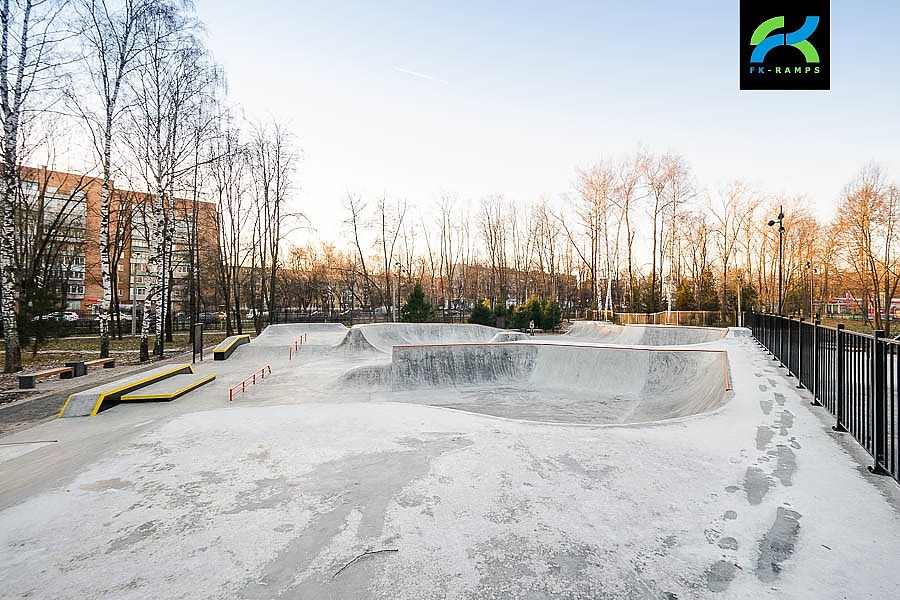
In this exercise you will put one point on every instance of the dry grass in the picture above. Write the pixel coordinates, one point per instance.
(125, 351)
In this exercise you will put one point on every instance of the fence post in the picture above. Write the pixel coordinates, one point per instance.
(800, 352)
(879, 404)
(787, 364)
(841, 376)
(776, 337)
(815, 363)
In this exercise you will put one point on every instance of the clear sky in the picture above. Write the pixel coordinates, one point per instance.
(416, 99)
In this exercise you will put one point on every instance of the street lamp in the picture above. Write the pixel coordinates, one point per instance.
(397, 305)
(811, 272)
(780, 220)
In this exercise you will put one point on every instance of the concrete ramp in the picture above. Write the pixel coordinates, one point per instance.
(644, 335)
(381, 337)
(562, 383)
(317, 334)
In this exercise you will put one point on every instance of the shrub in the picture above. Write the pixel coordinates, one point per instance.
(482, 314)
(417, 309)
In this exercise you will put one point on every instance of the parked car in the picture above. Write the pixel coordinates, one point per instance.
(351, 313)
(67, 316)
(112, 316)
(208, 318)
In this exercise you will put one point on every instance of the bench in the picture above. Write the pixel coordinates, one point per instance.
(108, 363)
(228, 345)
(27, 381)
(80, 367)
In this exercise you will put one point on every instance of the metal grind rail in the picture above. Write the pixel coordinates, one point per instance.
(294, 348)
(855, 376)
(250, 380)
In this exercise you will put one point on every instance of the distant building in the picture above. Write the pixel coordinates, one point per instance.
(69, 205)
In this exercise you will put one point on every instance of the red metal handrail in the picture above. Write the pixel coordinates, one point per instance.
(251, 380)
(295, 346)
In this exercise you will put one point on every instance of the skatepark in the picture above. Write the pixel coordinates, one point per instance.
(449, 461)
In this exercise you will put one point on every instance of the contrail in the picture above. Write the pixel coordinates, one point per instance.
(421, 75)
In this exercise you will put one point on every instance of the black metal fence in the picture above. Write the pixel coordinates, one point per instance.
(854, 375)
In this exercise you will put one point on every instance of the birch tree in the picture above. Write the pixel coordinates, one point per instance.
(31, 34)
(171, 77)
(110, 36)
(595, 187)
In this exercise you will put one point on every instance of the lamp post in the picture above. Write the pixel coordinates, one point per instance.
(780, 220)
(815, 272)
(397, 305)
(810, 273)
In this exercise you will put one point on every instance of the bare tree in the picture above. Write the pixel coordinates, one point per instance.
(229, 185)
(681, 190)
(626, 195)
(732, 212)
(111, 41)
(494, 234)
(171, 78)
(867, 232)
(49, 238)
(356, 223)
(273, 162)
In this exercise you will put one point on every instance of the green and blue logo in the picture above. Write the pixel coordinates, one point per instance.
(785, 45)
(764, 41)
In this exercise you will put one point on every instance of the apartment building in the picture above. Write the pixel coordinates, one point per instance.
(60, 212)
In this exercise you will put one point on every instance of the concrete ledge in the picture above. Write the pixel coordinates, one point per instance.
(169, 389)
(227, 346)
(90, 401)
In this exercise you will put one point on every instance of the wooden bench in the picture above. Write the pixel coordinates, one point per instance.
(80, 367)
(108, 363)
(27, 381)
(228, 345)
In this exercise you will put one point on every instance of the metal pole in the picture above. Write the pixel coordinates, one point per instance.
(879, 405)
(815, 365)
(780, 262)
(841, 375)
(800, 353)
(811, 304)
(787, 363)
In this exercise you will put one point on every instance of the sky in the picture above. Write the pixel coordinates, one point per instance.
(419, 99)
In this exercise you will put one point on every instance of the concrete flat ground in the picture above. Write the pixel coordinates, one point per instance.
(304, 487)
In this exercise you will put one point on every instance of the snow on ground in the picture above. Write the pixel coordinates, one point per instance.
(276, 495)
